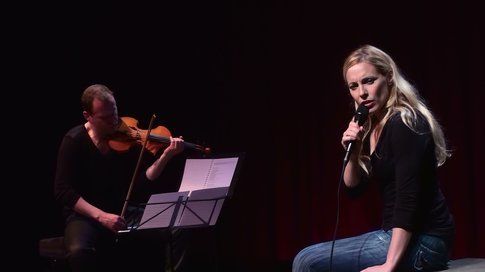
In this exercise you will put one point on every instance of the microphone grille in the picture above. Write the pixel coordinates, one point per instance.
(361, 114)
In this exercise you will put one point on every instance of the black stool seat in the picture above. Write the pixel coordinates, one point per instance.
(52, 248)
(467, 265)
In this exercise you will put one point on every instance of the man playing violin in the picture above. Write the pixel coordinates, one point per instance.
(92, 181)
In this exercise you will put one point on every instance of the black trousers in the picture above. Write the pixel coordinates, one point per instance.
(91, 247)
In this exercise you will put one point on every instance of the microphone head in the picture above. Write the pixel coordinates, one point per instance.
(361, 114)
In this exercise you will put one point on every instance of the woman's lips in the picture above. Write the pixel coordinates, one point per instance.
(369, 103)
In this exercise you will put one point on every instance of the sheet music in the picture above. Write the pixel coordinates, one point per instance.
(203, 179)
(208, 173)
(205, 209)
(160, 219)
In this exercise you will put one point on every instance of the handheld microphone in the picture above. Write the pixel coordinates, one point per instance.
(359, 117)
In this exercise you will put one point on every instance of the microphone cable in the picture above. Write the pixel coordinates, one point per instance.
(338, 212)
(360, 117)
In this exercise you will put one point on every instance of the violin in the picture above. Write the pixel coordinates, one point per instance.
(128, 134)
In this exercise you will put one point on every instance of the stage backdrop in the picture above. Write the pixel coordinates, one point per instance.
(265, 78)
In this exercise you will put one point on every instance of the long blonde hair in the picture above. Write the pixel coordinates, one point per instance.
(403, 98)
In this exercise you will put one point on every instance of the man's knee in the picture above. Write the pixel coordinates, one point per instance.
(77, 250)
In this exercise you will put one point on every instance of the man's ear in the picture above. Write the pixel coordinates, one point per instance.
(86, 115)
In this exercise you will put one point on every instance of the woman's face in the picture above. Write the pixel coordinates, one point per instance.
(367, 86)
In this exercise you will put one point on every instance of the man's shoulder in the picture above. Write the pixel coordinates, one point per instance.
(78, 132)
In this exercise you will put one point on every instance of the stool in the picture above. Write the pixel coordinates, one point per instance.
(467, 265)
(53, 252)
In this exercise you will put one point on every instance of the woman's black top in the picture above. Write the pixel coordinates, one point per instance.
(404, 165)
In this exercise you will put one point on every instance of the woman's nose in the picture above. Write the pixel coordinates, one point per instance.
(363, 91)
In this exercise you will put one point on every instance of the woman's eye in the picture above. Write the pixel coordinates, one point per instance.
(353, 86)
(369, 80)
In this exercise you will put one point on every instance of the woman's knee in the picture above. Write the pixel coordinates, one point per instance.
(299, 262)
(307, 259)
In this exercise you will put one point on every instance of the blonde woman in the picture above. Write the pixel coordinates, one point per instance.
(400, 147)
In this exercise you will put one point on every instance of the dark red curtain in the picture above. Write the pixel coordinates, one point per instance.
(288, 62)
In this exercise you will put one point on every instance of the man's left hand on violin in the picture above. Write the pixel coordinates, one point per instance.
(175, 147)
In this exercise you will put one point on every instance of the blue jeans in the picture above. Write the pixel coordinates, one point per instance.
(425, 253)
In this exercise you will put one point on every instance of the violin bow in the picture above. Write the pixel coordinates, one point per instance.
(133, 178)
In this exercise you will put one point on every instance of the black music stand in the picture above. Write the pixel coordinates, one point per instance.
(179, 210)
(189, 209)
